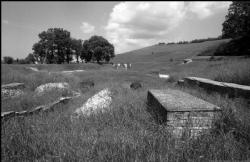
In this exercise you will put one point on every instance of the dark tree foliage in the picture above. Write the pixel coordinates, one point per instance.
(98, 49)
(54, 46)
(237, 27)
(236, 47)
(77, 48)
(237, 21)
(8, 60)
(30, 59)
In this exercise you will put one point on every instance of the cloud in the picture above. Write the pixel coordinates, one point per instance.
(5, 21)
(87, 28)
(206, 9)
(134, 25)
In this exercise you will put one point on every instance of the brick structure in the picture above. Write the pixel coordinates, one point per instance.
(183, 113)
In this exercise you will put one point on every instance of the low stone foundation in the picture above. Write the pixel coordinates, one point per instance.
(183, 113)
(230, 89)
(44, 108)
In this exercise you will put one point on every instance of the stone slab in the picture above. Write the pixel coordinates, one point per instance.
(13, 86)
(231, 89)
(164, 76)
(184, 114)
(97, 103)
(175, 100)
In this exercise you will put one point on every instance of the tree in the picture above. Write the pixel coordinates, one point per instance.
(39, 52)
(30, 59)
(237, 21)
(86, 53)
(99, 49)
(237, 27)
(77, 47)
(8, 60)
(54, 46)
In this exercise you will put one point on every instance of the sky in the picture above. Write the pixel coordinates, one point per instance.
(127, 25)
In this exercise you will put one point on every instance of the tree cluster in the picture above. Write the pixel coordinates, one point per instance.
(97, 49)
(237, 27)
(27, 60)
(56, 46)
(8, 60)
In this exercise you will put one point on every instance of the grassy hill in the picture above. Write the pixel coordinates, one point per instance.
(168, 59)
(126, 131)
(163, 53)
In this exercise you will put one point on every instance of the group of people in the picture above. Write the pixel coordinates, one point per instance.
(126, 66)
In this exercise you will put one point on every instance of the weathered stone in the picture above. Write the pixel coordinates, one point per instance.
(33, 69)
(183, 112)
(5, 93)
(13, 86)
(97, 103)
(186, 61)
(72, 71)
(136, 85)
(180, 82)
(51, 86)
(22, 113)
(231, 89)
(43, 108)
(7, 115)
(12, 90)
(164, 76)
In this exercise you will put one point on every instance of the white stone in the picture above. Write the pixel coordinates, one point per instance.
(164, 76)
(98, 102)
(186, 61)
(34, 69)
(71, 71)
(50, 86)
(11, 92)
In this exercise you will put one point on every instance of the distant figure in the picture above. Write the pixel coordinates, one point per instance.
(125, 66)
(118, 65)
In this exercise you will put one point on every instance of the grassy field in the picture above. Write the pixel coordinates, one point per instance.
(126, 131)
(163, 53)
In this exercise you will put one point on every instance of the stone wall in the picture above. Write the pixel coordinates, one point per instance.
(230, 89)
(190, 123)
(44, 108)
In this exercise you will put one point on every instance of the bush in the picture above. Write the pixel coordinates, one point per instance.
(236, 47)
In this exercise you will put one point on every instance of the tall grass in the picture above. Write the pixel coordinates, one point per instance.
(126, 131)
(234, 72)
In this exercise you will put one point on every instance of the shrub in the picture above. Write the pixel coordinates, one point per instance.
(236, 47)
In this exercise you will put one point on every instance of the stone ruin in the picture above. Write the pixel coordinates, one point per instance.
(12, 90)
(164, 76)
(50, 86)
(184, 114)
(5, 116)
(230, 89)
(97, 103)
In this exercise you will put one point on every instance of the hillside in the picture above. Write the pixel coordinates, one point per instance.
(163, 53)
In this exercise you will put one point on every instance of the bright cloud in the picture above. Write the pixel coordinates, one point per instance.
(87, 28)
(206, 9)
(134, 25)
(5, 21)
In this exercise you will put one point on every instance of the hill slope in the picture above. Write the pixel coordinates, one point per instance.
(163, 53)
